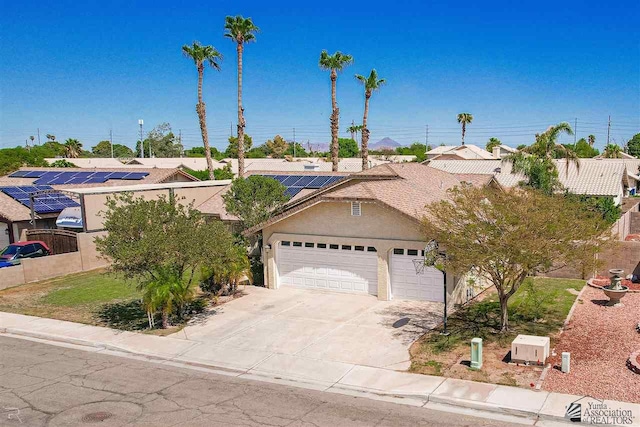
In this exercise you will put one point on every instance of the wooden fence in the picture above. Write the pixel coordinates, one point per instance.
(59, 241)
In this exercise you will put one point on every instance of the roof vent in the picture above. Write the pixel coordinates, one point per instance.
(498, 170)
(311, 167)
(356, 209)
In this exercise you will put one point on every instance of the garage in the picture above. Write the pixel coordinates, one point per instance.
(4, 235)
(407, 284)
(339, 267)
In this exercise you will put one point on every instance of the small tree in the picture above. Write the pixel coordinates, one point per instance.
(232, 148)
(277, 147)
(160, 244)
(347, 148)
(493, 142)
(255, 199)
(507, 236)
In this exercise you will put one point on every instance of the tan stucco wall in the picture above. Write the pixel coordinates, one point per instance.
(331, 222)
(90, 257)
(11, 276)
(51, 266)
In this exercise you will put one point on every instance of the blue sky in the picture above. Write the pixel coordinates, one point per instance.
(80, 69)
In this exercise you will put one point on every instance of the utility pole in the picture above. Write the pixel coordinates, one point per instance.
(38, 136)
(231, 129)
(141, 122)
(426, 138)
(608, 129)
(180, 142)
(294, 143)
(111, 141)
(575, 132)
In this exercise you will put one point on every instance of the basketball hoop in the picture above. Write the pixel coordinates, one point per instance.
(430, 257)
(419, 265)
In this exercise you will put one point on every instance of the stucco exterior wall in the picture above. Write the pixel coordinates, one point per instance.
(37, 269)
(331, 222)
(11, 276)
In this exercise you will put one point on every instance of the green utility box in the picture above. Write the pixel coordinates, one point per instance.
(476, 353)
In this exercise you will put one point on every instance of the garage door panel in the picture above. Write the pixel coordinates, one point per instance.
(337, 269)
(407, 284)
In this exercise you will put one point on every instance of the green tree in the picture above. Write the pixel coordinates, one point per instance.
(493, 142)
(73, 148)
(255, 199)
(583, 149)
(202, 55)
(63, 163)
(535, 162)
(277, 147)
(509, 235)
(633, 145)
(199, 152)
(334, 64)
(259, 152)
(416, 149)
(240, 30)
(464, 119)
(347, 148)
(218, 174)
(371, 84)
(103, 149)
(232, 148)
(163, 142)
(353, 130)
(299, 150)
(161, 255)
(612, 151)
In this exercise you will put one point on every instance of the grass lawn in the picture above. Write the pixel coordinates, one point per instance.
(95, 298)
(540, 307)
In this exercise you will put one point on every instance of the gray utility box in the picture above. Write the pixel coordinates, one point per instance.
(530, 349)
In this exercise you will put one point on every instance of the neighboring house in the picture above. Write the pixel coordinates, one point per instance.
(193, 163)
(594, 177)
(459, 152)
(362, 234)
(502, 151)
(623, 155)
(15, 215)
(91, 162)
(300, 164)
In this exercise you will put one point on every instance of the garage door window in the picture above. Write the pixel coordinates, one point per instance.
(395, 251)
(412, 252)
(297, 244)
(308, 245)
(334, 247)
(322, 246)
(346, 247)
(286, 243)
(359, 248)
(371, 249)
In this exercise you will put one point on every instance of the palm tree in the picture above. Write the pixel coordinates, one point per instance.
(370, 83)
(536, 160)
(353, 130)
(493, 142)
(334, 63)
(201, 55)
(464, 119)
(32, 138)
(50, 137)
(592, 140)
(72, 148)
(240, 30)
(612, 151)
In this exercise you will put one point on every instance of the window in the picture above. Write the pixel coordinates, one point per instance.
(285, 243)
(371, 249)
(322, 246)
(308, 245)
(297, 244)
(356, 209)
(359, 248)
(333, 246)
(397, 251)
(346, 247)
(412, 252)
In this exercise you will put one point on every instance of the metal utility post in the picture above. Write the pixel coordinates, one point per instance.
(294, 143)
(38, 136)
(608, 129)
(141, 122)
(444, 329)
(111, 141)
(426, 137)
(575, 132)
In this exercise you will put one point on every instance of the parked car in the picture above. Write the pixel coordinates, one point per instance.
(12, 254)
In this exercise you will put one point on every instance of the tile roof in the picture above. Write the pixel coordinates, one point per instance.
(596, 177)
(405, 187)
(468, 152)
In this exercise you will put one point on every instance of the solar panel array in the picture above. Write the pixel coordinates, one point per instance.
(297, 183)
(62, 177)
(44, 203)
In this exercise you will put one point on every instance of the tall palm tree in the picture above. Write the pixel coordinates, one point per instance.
(202, 55)
(612, 151)
(334, 63)
(370, 83)
(353, 130)
(240, 30)
(72, 148)
(592, 140)
(50, 137)
(464, 119)
(536, 160)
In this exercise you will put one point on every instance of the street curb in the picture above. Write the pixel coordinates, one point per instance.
(410, 399)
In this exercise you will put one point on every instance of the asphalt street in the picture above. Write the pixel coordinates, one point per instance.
(46, 385)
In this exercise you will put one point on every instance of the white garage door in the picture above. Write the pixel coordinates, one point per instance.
(4, 235)
(347, 268)
(407, 284)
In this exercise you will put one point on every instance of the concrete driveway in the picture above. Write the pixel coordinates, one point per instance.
(291, 326)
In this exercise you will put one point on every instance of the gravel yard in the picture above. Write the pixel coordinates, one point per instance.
(600, 340)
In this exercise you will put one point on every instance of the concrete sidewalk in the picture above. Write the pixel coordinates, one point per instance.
(307, 372)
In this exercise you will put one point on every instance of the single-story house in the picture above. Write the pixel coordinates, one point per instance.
(15, 188)
(362, 234)
(593, 177)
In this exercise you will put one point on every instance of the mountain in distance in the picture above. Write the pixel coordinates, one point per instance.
(385, 142)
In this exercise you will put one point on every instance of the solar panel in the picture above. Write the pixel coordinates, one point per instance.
(304, 181)
(18, 174)
(34, 174)
(292, 191)
(290, 180)
(118, 175)
(43, 203)
(137, 175)
(318, 181)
